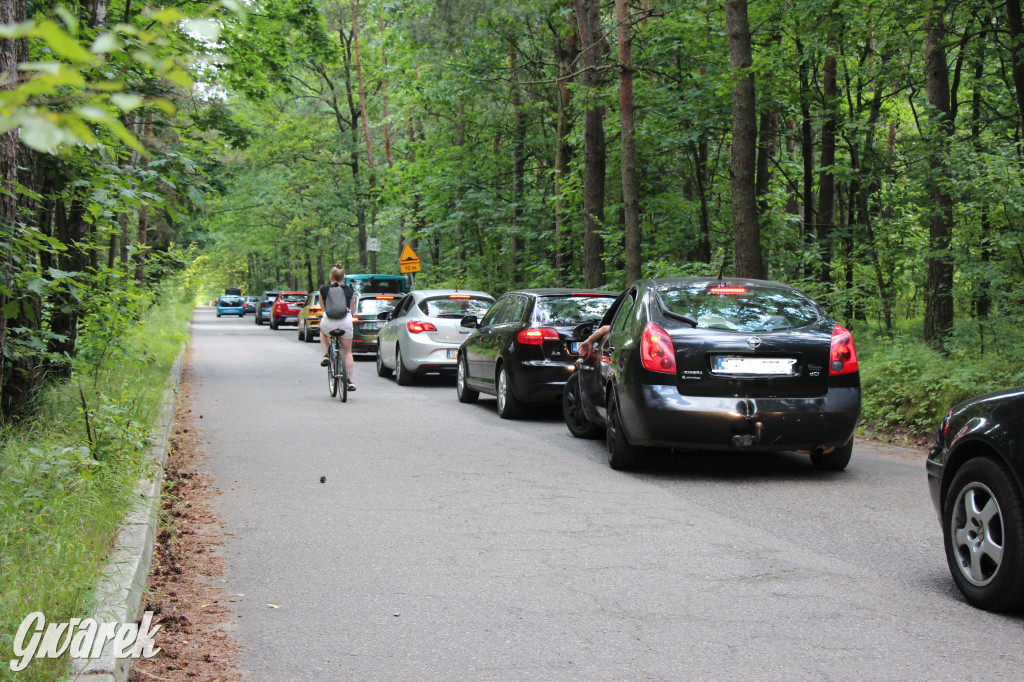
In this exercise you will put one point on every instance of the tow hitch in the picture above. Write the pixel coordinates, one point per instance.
(746, 440)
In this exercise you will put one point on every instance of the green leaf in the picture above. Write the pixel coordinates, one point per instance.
(52, 68)
(207, 28)
(169, 15)
(126, 101)
(62, 43)
(36, 285)
(43, 134)
(106, 42)
(10, 310)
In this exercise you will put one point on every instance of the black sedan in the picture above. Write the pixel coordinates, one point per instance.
(523, 349)
(699, 363)
(975, 474)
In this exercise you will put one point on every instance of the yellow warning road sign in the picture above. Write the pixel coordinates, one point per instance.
(408, 261)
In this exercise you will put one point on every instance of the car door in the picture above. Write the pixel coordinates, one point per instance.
(389, 334)
(516, 319)
(595, 371)
(480, 343)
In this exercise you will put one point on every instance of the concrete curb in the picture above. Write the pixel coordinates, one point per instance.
(123, 582)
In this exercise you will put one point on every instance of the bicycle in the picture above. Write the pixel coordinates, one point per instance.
(336, 369)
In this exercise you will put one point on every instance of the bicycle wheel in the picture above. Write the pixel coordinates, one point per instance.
(342, 375)
(332, 376)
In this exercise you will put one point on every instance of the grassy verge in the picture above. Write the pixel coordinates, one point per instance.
(65, 486)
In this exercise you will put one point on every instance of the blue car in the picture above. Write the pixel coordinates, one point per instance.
(231, 305)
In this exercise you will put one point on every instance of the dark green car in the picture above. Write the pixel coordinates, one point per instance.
(365, 322)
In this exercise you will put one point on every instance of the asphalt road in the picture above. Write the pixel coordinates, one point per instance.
(448, 544)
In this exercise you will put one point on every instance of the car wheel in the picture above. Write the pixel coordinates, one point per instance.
(835, 460)
(259, 320)
(382, 369)
(310, 335)
(403, 377)
(462, 389)
(572, 411)
(273, 322)
(302, 333)
(218, 314)
(509, 407)
(983, 531)
(241, 314)
(622, 455)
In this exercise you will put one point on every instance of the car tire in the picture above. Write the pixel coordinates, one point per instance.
(462, 389)
(575, 417)
(382, 369)
(241, 315)
(403, 377)
(218, 314)
(622, 455)
(310, 335)
(259, 320)
(509, 407)
(301, 333)
(983, 510)
(273, 322)
(835, 460)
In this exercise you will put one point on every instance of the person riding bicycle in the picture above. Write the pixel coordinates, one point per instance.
(327, 324)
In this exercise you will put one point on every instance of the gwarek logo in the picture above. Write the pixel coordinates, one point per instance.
(82, 638)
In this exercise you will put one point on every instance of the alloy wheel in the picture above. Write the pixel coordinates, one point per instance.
(977, 532)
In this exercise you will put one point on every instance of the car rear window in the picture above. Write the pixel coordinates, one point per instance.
(570, 310)
(378, 285)
(375, 306)
(716, 305)
(231, 301)
(455, 306)
(293, 298)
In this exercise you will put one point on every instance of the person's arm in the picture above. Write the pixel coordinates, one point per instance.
(587, 346)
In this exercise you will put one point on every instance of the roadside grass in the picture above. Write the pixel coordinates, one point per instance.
(907, 387)
(65, 487)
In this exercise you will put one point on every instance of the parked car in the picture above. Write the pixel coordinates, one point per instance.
(230, 305)
(366, 320)
(263, 306)
(286, 307)
(309, 318)
(522, 351)
(700, 363)
(378, 284)
(976, 480)
(250, 304)
(424, 332)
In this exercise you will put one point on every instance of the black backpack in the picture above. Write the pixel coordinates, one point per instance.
(336, 303)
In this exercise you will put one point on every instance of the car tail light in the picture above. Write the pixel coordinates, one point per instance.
(535, 336)
(384, 298)
(589, 294)
(355, 319)
(459, 296)
(415, 327)
(843, 356)
(728, 291)
(656, 350)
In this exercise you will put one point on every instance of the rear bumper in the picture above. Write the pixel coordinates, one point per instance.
(660, 416)
(541, 381)
(425, 355)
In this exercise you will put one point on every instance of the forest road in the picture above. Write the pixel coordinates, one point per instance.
(449, 544)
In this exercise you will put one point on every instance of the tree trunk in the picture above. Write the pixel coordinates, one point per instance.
(357, 190)
(372, 199)
(807, 152)
(588, 15)
(567, 54)
(1015, 26)
(630, 198)
(745, 227)
(827, 178)
(518, 170)
(702, 174)
(938, 313)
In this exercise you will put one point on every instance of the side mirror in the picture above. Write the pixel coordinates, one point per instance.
(384, 315)
(469, 321)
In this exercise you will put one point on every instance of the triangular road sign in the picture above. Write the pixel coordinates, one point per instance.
(408, 256)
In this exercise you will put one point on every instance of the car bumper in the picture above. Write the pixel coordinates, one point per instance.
(541, 381)
(933, 466)
(423, 355)
(230, 311)
(660, 416)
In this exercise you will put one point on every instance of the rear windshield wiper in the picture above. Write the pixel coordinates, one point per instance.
(681, 318)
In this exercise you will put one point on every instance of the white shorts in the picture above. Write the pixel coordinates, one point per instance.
(327, 325)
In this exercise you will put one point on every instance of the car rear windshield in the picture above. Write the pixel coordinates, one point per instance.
(293, 298)
(375, 306)
(570, 310)
(455, 306)
(230, 301)
(716, 305)
(378, 285)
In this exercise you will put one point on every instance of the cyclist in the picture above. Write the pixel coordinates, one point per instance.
(327, 325)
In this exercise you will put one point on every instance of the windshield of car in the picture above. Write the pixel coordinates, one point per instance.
(230, 301)
(751, 308)
(377, 285)
(375, 306)
(569, 311)
(292, 298)
(455, 306)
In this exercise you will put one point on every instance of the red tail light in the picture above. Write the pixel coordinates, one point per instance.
(415, 327)
(535, 336)
(730, 291)
(843, 357)
(656, 350)
(461, 296)
(384, 298)
(355, 319)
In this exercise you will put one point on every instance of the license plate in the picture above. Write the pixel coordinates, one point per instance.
(370, 326)
(574, 347)
(453, 353)
(732, 364)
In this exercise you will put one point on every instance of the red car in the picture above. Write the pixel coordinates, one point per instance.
(286, 308)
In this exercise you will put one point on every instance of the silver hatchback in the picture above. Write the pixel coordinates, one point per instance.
(423, 333)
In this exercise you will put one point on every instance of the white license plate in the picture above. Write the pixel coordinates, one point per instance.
(370, 326)
(732, 364)
(453, 353)
(574, 347)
